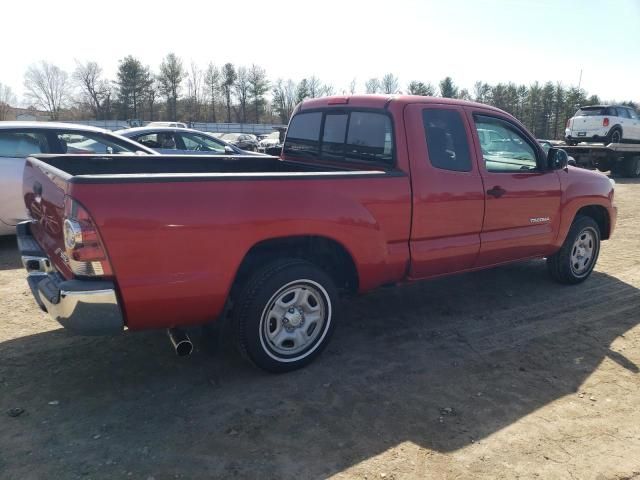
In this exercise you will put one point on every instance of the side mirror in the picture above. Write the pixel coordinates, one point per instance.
(557, 159)
(228, 149)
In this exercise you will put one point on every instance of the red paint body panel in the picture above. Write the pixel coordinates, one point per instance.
(175, 246)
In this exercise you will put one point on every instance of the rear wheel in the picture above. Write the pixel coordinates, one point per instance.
(615, 136)
(631, 167)
(577, 257)
(285, 315)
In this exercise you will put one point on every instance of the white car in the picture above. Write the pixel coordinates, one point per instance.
(18, 140)
(603, 123)
(271, 140)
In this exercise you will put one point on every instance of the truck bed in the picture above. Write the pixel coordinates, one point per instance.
(106, 168)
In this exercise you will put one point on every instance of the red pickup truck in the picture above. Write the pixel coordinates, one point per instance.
(369, 191)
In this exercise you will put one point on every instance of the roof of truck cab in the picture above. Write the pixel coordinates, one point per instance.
(382, 101)
(50, 125)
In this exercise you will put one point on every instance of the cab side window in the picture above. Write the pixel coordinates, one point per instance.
(504, 148)
(447, 142)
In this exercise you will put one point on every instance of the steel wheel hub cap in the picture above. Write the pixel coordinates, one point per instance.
(295, 319)
(582, 252)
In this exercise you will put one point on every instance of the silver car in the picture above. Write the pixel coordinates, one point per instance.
(18, 140)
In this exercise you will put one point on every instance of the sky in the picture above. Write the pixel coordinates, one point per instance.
(490, 40)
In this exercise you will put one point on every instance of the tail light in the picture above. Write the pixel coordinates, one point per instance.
(568, 123)
(605, 122)
(84, 248)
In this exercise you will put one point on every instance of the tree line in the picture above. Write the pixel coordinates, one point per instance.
(245, 94)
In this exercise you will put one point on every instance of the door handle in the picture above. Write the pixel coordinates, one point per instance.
(496, 191)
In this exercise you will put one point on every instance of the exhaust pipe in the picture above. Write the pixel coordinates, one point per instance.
(180, 341)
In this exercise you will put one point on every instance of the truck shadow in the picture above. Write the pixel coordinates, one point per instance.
(440, 364)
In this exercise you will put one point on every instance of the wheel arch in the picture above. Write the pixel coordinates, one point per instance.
(600, 215)
(325, 252)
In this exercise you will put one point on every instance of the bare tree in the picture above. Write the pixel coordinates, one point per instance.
(258, 87)
(94, 89)
(284, 98)
(352, 86)
(195, 92)
(151, 95)
(389, 83)
(314, 87)
(241, 87)
(212, 82)
(48, 86)
(372, 85)
(7, 98)
(327, 90)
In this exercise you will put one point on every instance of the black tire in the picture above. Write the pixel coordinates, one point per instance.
(615, 136)
(631, 167)
(571, 143)
(258, 315)
(561, 265)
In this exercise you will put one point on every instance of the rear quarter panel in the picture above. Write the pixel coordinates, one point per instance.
(175, 247)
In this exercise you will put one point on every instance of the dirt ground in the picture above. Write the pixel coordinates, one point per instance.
(499, 374)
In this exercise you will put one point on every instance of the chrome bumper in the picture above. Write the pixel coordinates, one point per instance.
(88, 307)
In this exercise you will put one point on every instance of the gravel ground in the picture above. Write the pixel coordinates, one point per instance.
(495, 374)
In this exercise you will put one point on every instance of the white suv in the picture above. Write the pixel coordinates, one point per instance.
(603, 123)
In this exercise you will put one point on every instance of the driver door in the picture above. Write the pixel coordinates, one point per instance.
(522, 197)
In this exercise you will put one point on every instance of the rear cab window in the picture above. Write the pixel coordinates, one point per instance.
(342, 135)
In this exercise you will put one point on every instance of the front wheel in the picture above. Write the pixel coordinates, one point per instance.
(285, 314)
(577, 257)
(631, 167)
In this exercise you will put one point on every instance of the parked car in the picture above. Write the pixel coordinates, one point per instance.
(603, 123)
(167, 124)
(370, 191)
(269, 141)
(21, 139)
(180, 141)
(245, 141)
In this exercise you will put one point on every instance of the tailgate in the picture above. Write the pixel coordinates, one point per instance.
(587, 123)
(44, 195)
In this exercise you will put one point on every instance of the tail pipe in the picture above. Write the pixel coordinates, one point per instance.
(180, 341)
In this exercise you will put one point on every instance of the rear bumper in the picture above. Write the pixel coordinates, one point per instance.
(87, 307)
(599, 135)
